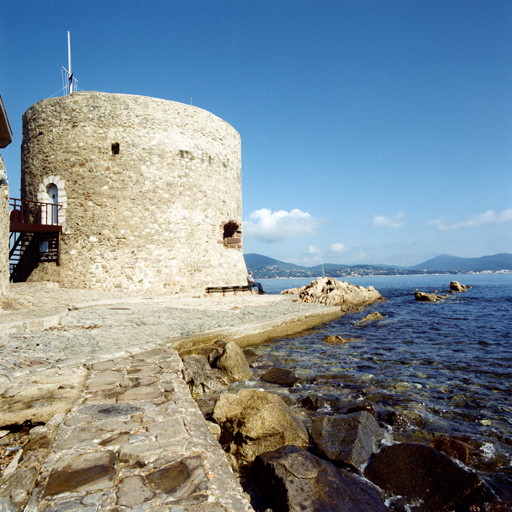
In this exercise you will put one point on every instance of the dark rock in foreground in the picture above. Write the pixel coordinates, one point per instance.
(422, 475)
(294, 480)
(346, 439)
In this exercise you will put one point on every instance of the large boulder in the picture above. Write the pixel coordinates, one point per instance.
(346, 439)
(291, 479)
(254, 422)
(424, 477)
(331, 292)
(233, 363)
(200, 377)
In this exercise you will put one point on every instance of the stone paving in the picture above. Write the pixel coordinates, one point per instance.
(121, 431)
(136, 441)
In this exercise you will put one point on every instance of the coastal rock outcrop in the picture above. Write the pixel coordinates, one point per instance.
(254, 422)
(331, 292)
(291, 479)
(346, 439)
(419, 473)
(455, 286)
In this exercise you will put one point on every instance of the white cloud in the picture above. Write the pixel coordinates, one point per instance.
(339, 247)
(397, 221)
(489, 217)
(313, 250)
(270, 226)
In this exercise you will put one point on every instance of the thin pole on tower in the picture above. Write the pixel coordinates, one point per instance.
(69, 65)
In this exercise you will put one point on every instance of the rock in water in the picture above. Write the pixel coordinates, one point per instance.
(371, 317)
(419, 473)
(455, 286)
(291, 479)
(280, 376)
(233, 363)
(254, 422)
(339, 339)
(200, 377)
(428, 297)
(331, 292)
(348, 439)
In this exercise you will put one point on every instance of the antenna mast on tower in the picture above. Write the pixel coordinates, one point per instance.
(72, 81)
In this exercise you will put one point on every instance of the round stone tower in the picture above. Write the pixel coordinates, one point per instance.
(148, 192)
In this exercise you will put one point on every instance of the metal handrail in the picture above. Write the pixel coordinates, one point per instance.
(23, 211)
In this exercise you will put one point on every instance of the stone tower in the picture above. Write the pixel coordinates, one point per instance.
(148, 192)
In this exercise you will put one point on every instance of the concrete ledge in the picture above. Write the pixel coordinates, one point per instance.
(257, 332)
(32, 319)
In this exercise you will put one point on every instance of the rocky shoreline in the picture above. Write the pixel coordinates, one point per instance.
(336, 455)
(95, 414)
(130, 425)
(307, 451)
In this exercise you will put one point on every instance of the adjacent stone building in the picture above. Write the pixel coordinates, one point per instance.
(147, 191)
(5, 140)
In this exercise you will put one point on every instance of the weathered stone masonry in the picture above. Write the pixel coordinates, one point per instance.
(149, 192)
(4, 230)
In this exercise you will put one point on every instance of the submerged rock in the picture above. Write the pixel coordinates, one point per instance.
(371, 317)
(280, 376)
(428, 297)
(339, 339)
(254, 422)
(291, 479)
(331, 292)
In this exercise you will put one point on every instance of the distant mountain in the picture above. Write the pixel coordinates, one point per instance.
(269, 268)
(444, 262)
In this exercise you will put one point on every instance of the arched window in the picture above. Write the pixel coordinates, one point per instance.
(53, 194)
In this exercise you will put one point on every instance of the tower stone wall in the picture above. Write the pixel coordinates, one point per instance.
(4, 230)
(149, 192)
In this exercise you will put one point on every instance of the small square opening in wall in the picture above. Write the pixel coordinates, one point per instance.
(115, 148)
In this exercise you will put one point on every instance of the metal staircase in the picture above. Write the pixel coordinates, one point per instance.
(35, 237)
(19, 246)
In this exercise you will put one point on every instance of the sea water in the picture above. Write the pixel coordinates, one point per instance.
(447, 366)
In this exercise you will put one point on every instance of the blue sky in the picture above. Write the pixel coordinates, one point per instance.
(372, 131)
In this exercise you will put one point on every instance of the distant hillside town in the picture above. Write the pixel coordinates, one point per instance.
(269, 268)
